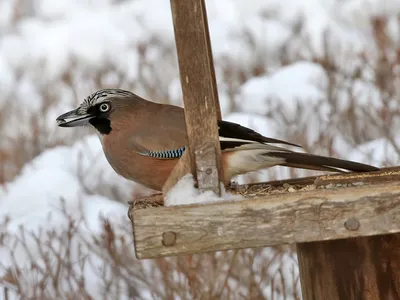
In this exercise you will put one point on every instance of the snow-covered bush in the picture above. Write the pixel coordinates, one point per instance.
(324, 74)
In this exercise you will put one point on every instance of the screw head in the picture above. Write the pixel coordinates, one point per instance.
(352, 224)
(169, 238)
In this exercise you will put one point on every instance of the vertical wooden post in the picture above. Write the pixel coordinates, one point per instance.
(199, 89)
(363, 268)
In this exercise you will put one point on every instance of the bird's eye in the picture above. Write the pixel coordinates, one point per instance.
(105, 107)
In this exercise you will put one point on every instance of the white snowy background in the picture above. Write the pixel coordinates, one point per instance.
(322, 73)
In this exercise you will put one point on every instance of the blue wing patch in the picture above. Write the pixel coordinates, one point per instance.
(165, 154)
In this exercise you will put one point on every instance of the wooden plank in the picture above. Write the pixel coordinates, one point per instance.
(384, 175)
(199, 90)
(316, 215)
(336, 180)
(364, 268)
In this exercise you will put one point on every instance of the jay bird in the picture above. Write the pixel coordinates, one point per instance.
(143, 140)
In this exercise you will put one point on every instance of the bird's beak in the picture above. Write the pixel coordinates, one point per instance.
(73, 119)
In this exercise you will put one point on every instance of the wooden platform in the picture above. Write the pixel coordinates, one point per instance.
(289, 211)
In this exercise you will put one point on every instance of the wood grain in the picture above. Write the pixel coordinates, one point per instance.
(199, 86)
(383, 175)
(363, 268)
(276, 219)
(207, 173)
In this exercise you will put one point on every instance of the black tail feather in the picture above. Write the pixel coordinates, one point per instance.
(317, 162)
(317, 168)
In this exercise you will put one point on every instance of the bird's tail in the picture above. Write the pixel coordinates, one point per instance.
(317, 162)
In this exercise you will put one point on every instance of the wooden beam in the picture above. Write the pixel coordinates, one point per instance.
(364, 268)
(200, 94)
(316, 215)
(388, 174)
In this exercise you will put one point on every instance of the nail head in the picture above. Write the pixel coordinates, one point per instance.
(169, 238)
(352, 224)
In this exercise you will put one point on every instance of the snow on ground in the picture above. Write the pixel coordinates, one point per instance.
(42, 44)
(75, 32)
(302, 81)
(379, 152)
(73, 35)
(62, 179)
(63, 172)
(44, 218)
(69, 175)
(284, 91)
(284, 270)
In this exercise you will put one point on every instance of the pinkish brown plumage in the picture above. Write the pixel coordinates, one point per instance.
(143, 140)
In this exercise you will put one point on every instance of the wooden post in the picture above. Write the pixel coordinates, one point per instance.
(363, 268)
(199, 93)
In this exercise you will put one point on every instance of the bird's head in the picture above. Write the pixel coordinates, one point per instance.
(96, 110)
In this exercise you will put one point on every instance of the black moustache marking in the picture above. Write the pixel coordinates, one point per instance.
(100, 121)
(103, 125)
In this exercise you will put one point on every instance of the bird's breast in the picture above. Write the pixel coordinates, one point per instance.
(148, 171)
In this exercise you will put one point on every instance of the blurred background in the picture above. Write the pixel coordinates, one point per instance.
(321, 73)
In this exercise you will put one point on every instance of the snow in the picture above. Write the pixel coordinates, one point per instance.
(7, 80)
(302, 81)
(55, 53)
(184, 193)
(68, 173)
(262, 125)
(351, 11)
(59, 185)
(284, 91)
(73, 35)
(379, 152)
(283, 270)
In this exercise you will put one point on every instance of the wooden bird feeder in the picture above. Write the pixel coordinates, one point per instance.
(346, 227)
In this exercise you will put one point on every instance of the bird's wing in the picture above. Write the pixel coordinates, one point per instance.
(233, 135)
(164, 134)
(161, 132)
